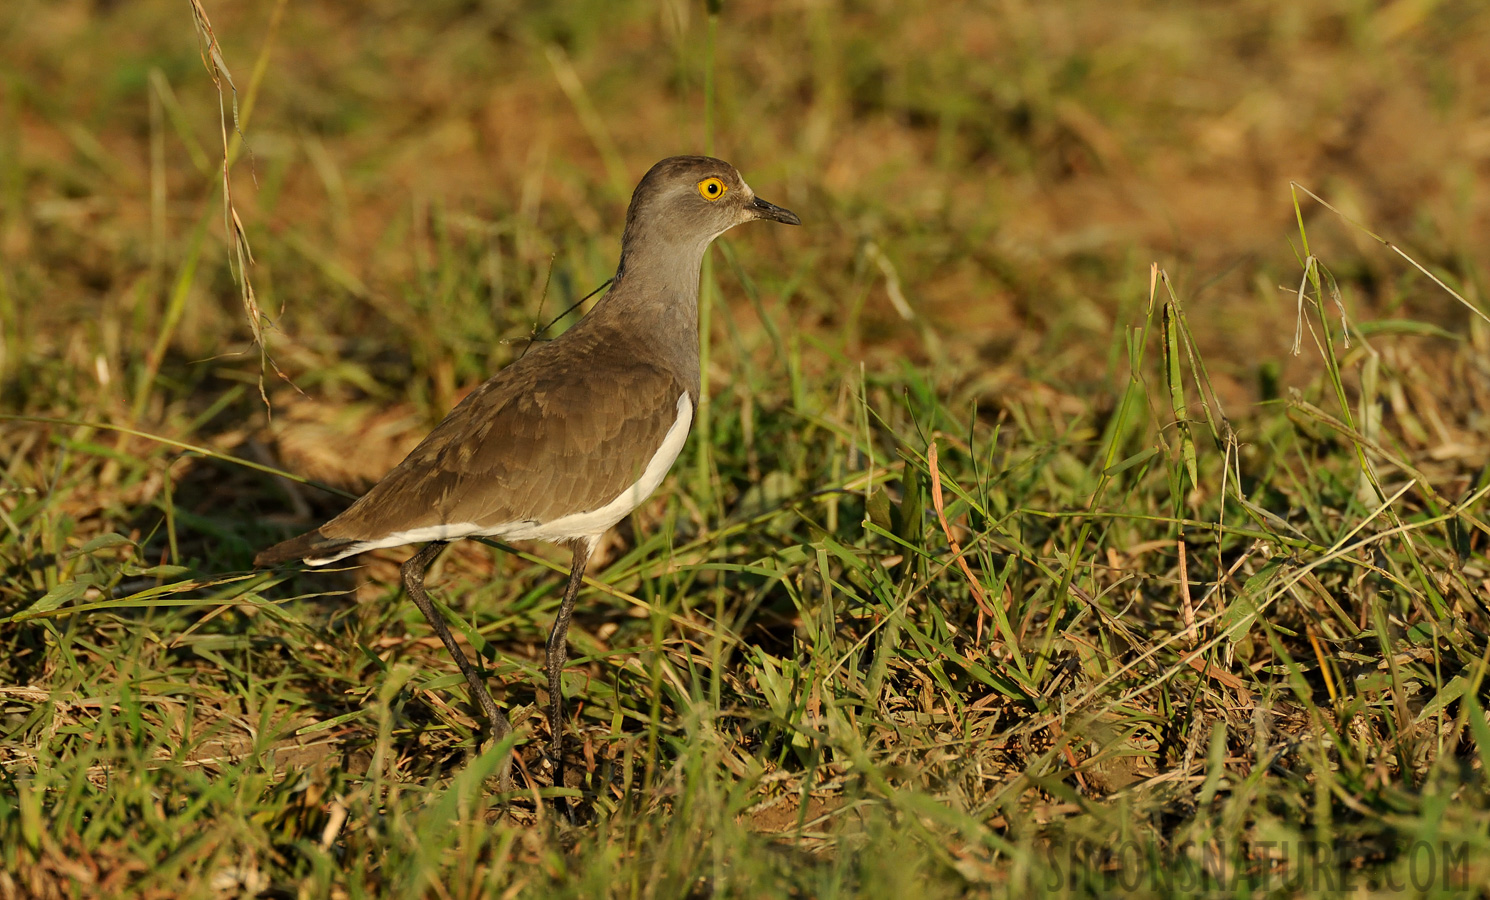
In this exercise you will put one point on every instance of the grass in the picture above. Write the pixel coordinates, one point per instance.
(1023, 554)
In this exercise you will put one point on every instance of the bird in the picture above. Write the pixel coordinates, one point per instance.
(564, 442)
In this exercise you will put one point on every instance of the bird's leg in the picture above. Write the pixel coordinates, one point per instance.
(558, 653)
(413, 575)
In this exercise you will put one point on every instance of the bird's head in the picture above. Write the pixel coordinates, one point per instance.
(692, 200)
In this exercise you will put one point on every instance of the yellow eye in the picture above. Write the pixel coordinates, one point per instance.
(711, 189)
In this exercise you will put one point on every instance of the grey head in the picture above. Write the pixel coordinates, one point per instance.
(685, 202)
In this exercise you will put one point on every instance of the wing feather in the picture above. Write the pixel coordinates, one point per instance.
(534, 443)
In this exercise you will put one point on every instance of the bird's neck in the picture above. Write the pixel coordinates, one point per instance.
(655, 300)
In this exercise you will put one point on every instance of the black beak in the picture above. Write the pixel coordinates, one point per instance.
(763, 210)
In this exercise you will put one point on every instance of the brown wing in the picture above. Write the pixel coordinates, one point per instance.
(536, 442)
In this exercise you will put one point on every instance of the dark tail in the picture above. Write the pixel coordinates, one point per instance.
(312, 544)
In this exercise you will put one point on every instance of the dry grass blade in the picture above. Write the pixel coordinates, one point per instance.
(941, 514)
(1293, 185)
(237, 237)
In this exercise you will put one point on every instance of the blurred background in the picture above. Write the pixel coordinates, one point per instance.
(419, 182)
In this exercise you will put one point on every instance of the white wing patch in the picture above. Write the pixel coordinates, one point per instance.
(589, 525)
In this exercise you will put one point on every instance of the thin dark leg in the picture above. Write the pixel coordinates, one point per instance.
(413, 574)
(558, 654)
